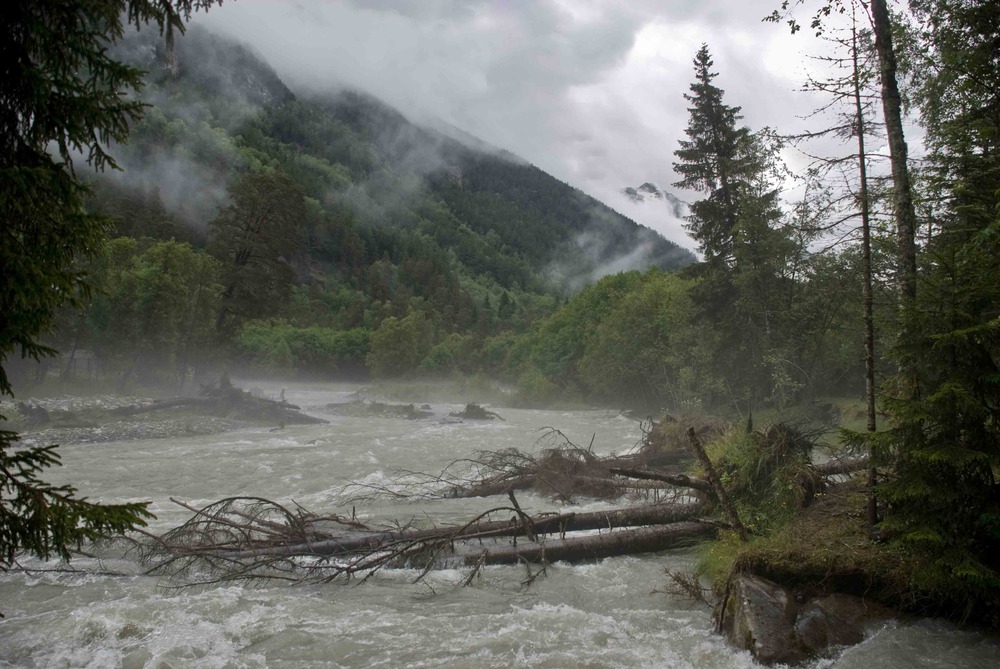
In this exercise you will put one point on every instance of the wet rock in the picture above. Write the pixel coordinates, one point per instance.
(777, 626)
(475, 412)
(835, 620)
(759, 616)
(33, 414)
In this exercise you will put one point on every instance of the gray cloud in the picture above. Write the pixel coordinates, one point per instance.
(588, 90)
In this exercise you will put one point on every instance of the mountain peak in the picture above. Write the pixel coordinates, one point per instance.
(649, 191)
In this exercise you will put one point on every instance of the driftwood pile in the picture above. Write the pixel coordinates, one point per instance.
(253, 539)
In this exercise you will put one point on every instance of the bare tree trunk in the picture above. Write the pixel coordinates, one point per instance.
(906, 218)
(866, 259)
(596, 546)
(660, 514)
(713, 478)
(680, 480)
(835, 467)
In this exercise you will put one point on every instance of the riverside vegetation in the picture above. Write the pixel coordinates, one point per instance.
(329, 236)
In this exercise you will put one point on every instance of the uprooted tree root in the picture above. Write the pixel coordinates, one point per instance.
(562, 470)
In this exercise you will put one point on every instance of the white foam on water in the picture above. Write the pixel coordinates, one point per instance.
(593, 615)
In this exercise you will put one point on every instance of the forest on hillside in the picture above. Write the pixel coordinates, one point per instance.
(251, 229)
(256, 230)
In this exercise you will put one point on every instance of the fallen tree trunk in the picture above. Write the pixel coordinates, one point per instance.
(652, 484)
(492, 488)
(680, 480)
(655, 514)
(713, 478)
(845, 466)
(596, 546)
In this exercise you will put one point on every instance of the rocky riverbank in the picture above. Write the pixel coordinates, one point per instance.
(104, 418)
(813, 586)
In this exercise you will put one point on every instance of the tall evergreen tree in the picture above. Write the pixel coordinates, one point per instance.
(254, 238)
(62, 95)
(708, 161)
(737, 228)
(946, 439)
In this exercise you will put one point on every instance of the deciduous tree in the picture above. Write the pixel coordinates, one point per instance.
(255, 238)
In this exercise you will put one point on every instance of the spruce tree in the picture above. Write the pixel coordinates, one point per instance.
(737, 227)
(62, 96)
(944, 495)
(708, 162)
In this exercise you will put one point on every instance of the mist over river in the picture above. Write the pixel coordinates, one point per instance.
(593, 615)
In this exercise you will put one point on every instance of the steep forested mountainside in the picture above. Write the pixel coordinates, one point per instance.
(326, 234)
(217, 110)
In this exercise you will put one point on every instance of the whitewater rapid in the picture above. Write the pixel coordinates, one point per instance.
(604, 614)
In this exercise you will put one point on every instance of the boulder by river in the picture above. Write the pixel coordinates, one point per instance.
(778, 625)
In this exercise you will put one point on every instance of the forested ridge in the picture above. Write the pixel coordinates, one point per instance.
(327, 235)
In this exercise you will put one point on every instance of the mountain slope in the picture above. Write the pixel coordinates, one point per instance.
(351, 151)
(396, 247)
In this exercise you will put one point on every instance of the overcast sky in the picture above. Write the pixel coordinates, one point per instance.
(588, 90)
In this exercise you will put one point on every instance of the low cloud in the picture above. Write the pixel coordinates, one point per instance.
(590, 91)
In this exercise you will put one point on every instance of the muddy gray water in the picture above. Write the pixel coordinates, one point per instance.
(594, 615)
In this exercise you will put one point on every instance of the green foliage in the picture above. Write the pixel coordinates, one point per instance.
(944, 443)
(399, 345)
(561, 340)
(313, 350)
(638, 351)
(457, 353)
(315, 147)
(254, 238)
(63, 95)
(766, 474)
(154, 306)
(746, 291)
(50, 520)
(714, 160)
(534, 389)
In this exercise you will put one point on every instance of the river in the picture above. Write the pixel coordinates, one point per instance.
(592, 615)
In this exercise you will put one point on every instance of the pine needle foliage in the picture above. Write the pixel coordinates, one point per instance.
(942, 455)
(767, 473)
(943, 452)
(63, 96)
(46, 519)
